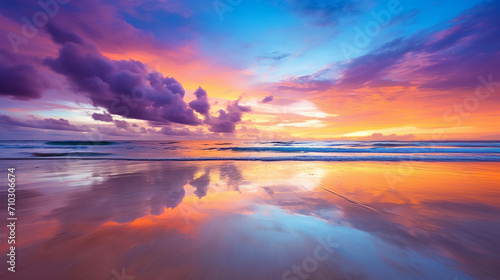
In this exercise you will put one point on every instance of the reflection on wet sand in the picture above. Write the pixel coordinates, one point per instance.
(255, 220)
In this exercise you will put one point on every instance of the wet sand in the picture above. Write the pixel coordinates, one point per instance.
(254, 220)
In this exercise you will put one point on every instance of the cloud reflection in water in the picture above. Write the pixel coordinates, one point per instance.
(254, 220)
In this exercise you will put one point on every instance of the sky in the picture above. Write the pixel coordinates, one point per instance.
(242, 69)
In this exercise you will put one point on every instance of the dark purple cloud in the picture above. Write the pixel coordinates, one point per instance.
(201, 104)
(267, 99)
(61, 36)
(112, 32)
(104, 117)
(227, 119)
(148, 130)
(19, 79)
(121, 124)
(126, 87)
(50, 123)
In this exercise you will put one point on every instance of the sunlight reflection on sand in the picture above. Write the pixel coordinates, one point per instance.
(256, 220)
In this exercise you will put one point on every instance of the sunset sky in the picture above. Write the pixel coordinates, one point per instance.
(232, 69)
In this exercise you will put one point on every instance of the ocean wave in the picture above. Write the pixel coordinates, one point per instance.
(375, 158)
(378, 143)
(70, 154)
(80, 143)
(479, 144)
(361, 150)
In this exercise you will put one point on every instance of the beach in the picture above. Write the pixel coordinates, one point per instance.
(110, 219)
(250, 140)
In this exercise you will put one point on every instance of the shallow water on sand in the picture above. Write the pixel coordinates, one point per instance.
(254, 220)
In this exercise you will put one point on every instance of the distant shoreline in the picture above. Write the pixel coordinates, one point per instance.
(307, 158)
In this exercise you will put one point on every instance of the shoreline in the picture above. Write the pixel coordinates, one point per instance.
(266, 159)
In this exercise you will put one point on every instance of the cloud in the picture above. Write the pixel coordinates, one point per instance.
(104, 117)
(287, 108)
(113, 131)
(267, 99)
(227, 119)
(121, 124)
(446, 59)
(316, 83)
(111, 31)
(384, 137)
(50, 123)
(201, 184)
(375, 65)
(18, 79)
(60, 36)
(274, 56)
(167, 130)
(324, 12)
(201, 104)
(126, 87)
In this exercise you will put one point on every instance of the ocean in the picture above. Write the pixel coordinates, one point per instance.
(248, 210)
(463, 151)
